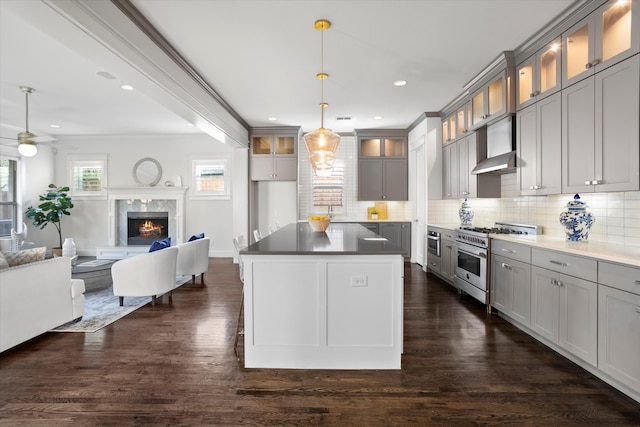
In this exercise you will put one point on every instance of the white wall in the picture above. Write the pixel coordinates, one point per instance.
(218, 219)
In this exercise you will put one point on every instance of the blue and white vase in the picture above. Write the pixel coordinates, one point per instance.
(465, 213)
(576, 220)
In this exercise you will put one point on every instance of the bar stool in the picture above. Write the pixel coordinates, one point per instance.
(239, 243)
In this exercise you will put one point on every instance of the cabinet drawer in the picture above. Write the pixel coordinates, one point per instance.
(567, 264)
(621, 277)
(511, 250)
(434, 263)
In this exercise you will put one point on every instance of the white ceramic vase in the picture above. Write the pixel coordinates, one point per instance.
(69, 248)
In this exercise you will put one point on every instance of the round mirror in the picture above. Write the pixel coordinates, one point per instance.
(147, 172)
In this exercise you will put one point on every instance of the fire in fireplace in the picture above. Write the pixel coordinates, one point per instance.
(145, 227)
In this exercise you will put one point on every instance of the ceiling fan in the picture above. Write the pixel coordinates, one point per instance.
(27, 141)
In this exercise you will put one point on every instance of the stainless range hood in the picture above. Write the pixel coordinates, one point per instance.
(501, 154)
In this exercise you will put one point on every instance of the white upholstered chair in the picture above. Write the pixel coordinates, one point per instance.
(148, 274)
(257, 235)
(193, 259)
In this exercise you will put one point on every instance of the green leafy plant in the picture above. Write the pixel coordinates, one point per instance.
(55, 203)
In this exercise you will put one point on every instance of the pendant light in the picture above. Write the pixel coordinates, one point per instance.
(322, 143)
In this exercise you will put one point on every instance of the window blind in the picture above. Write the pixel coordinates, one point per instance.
(329, 191)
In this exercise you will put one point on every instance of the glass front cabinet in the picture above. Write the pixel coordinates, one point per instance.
(539, 75)
(491, 101)
(605, 37)
(274, 157)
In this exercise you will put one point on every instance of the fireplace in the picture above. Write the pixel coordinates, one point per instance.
(145, 227)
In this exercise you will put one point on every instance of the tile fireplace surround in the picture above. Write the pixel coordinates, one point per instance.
(141, 199)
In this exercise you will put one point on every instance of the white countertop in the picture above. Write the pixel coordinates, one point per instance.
(629, 255)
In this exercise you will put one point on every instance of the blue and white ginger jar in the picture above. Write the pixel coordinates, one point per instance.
(576, 220)
(465, 213)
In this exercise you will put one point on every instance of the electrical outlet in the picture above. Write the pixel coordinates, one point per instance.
(358, 281)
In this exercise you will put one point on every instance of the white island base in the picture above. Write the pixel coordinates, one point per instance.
(323, 311)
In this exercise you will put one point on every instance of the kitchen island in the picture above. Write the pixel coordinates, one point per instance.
(331, 300)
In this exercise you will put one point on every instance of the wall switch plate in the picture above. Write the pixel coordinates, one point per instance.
(358, 281)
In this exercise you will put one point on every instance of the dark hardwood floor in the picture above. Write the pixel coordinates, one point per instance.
(173, 364)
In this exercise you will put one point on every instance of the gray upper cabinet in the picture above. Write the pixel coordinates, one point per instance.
(382, 165)
(604, 156)
(539, 140)
(607, 36)
(539, 75)
(274, 154)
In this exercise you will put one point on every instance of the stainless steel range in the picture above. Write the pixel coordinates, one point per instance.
(473, 250)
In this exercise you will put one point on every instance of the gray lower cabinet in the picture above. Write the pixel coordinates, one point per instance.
(398, 233)
(447, 257)
(511, 281)
(564, 308)
(619, 323)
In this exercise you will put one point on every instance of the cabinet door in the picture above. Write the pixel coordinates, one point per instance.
(262, 168)
(285, 168)
(527, 146)
(446, 260)
(284, 145)
(619, 335)
(578, 51)
(395, 179)
(525, 83)
(579, 317)
(450, 171)
(545, 303)
(371, 226)
(548, 73)
(370, 179)
(549, 145)
(617, 32)
(392, 232)
(406, 238)
(617, 129)
(521, 292)
(467, 160)
(578, 141)
(501, 286)
(261, 145)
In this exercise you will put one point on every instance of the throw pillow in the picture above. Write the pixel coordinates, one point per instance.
(25, 256)
(196, 237)
(160, 244)
(3, 262)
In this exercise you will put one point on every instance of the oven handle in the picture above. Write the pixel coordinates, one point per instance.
(433, 238)
(481, 255)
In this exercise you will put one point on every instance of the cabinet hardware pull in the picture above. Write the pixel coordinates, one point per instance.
(561, 264)
(449, 246)
(587, 183)
(554, 282)
(531, 95)
(588, 65)
(508, 250)
(638, 309)
(595, 62)
(596, 181)
(507, 266)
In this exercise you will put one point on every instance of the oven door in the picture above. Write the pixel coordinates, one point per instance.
(433, 243)
(471, 265)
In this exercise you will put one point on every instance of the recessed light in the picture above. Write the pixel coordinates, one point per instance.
(54, 126)
(272, 119)
(126, 87)
(377, 117)
(400, 83)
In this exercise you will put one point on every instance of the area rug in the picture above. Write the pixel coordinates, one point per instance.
(101, 308)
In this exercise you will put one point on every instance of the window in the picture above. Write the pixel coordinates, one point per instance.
(8, 194)
(329, 191)
(87, 176)
(211, 178)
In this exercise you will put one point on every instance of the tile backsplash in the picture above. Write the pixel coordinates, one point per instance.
(617, 214)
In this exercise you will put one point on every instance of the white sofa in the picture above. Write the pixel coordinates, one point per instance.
(147, 274)
(37, 297)
(193, 259)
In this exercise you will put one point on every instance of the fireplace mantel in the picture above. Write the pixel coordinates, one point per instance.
(177, 194)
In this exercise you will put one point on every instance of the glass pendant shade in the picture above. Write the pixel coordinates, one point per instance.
(27, 149)
(322, 145)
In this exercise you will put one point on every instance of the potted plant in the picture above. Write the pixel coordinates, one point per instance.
(374, 214)
(55, 203)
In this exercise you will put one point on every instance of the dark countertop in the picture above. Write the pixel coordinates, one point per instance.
(339, 239)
